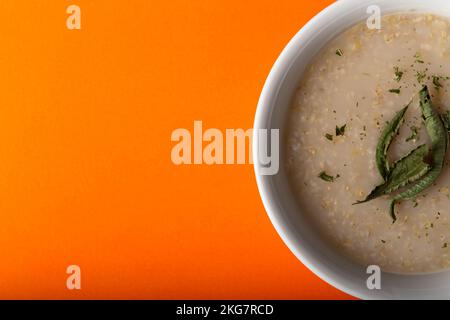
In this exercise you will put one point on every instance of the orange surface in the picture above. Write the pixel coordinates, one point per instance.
(86, 176)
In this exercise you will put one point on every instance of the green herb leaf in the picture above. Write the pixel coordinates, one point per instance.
(339, 52)
(398, 74)
(439, 143)
(392, 211)
(397, 91)
(329, 136)
(340, 131)
(437, 84)
(412, 171)
(326, 177)
(420, 76)
(410, 168)
(418, 58)
(388, 134)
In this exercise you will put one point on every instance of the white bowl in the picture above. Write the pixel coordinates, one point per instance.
(282, 208)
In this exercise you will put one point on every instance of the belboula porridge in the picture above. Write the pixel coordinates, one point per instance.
(367, 143)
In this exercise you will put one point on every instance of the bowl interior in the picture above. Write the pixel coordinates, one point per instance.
(276, 194)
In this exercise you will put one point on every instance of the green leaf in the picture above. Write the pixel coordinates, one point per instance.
(340, 131)
(412, 171)
(398, 74)
(420, 75)
(437, 84)
(418, 58)
(410, 168)
(439, 142)
(392, 211)
(388, 134)
(326, 177)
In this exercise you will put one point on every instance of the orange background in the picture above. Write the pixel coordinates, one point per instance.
(86, 176)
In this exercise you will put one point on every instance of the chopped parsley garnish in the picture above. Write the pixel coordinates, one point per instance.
(326, 177)
(329, 136)
(340, 131)
(339, 52)
(420, 75)
(397, 91)
(418, 58)
(436, 82)
(398, 74)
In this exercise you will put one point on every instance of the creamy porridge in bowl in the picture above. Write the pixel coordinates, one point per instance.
(364, 179)
(346, 97)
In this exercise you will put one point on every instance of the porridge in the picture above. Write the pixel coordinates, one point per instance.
(348, 99)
